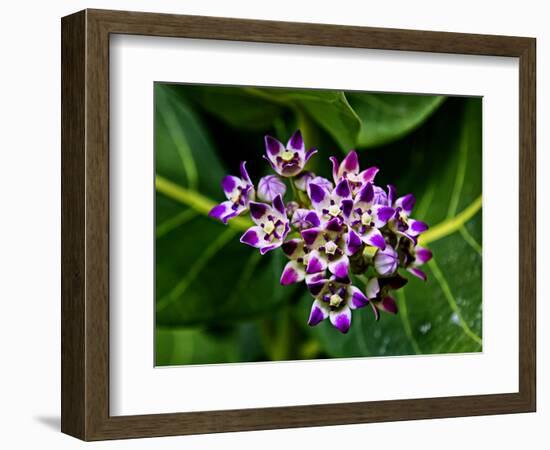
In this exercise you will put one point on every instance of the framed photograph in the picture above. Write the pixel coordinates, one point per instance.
(273, 225)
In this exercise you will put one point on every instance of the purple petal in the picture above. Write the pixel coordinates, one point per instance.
(273, 147)
(392, 193)
(279, 205)
(341, 319)
(296, 142)
(366, 194)
(358, 299)
(317, 314)
(323, 182)
(334, 225)
(418, 273)
(350, 163)
(346, 206)
(244, 172)
(317, 194)
(258, 211)
(252, 237)
(335, 168)
(315, 263)
(375, 239)
(313, 218)
(268, 248)
(269, 187)
(369, 174)
(353, 243)
(229, 184)
(423, 255)
(406, 203)
(375, 311)
(416, 227)
(380, 196)
(291, 247)
(342, 189)
(316, 282)
(224, 211)
(310, 235)
(388, 304)
(339, 267)
(381, 215)
(292, 273)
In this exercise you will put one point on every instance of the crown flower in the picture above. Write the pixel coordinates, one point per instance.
(336, 235)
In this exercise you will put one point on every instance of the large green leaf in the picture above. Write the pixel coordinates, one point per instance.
(442, 315)
(204, 275)
(387, 117)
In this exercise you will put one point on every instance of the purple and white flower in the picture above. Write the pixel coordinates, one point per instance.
(287, 161)
(239, 193)
(401, 223)
(367, 217)
(271, 226)
(337, 299)
(327, 204)
(349, 169)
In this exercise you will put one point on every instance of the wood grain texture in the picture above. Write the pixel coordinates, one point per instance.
(85, 224)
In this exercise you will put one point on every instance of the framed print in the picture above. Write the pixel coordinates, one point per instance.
(271, 225)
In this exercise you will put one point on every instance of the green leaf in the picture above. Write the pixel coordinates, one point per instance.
(387, 117)
(203, 273)
(235, 106)
(443, 315)
(329, 109)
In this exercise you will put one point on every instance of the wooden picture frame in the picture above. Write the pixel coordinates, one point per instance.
(85, 224)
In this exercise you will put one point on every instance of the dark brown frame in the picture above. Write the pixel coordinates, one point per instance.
(85, 224)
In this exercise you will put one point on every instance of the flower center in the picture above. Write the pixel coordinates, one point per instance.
(287, 155)
(334, 210)
(335, 300)
(366, 219)
(330, 247)
(403, 216)
(269, 226)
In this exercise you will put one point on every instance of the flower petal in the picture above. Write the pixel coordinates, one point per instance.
(312, 237)
(353, 243)
(259, 211)
(269, 187)
(315, 263)
(279, 205)
(416, 227)
(318, 313)
(313, 218)
(309, 154)
(418, 273)
(319, 196)
(334, 225)
(230, 185)
(273, 147)
(374, 237)
(296, 143)
(392, 193)
(406, 203)
(293, 248)
(316, 282)
(269, 247)
(350, 164)
(253, 237)
(292, 273)
(388, 304)
(381, 214)
(224, 211)
(339, 267)
(342, 189)
(372, 288)
(358, 299)
(335, 169)
(423, 255)
(244, 172)
(347, 207)
(366, 195)
(369, 174)
(302, 180)
(341, 319)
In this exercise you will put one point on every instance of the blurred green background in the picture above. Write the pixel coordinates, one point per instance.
(219, 301)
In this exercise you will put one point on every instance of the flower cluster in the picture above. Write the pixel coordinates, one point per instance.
(335, 233)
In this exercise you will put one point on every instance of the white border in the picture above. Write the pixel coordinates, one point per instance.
(136, 387)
